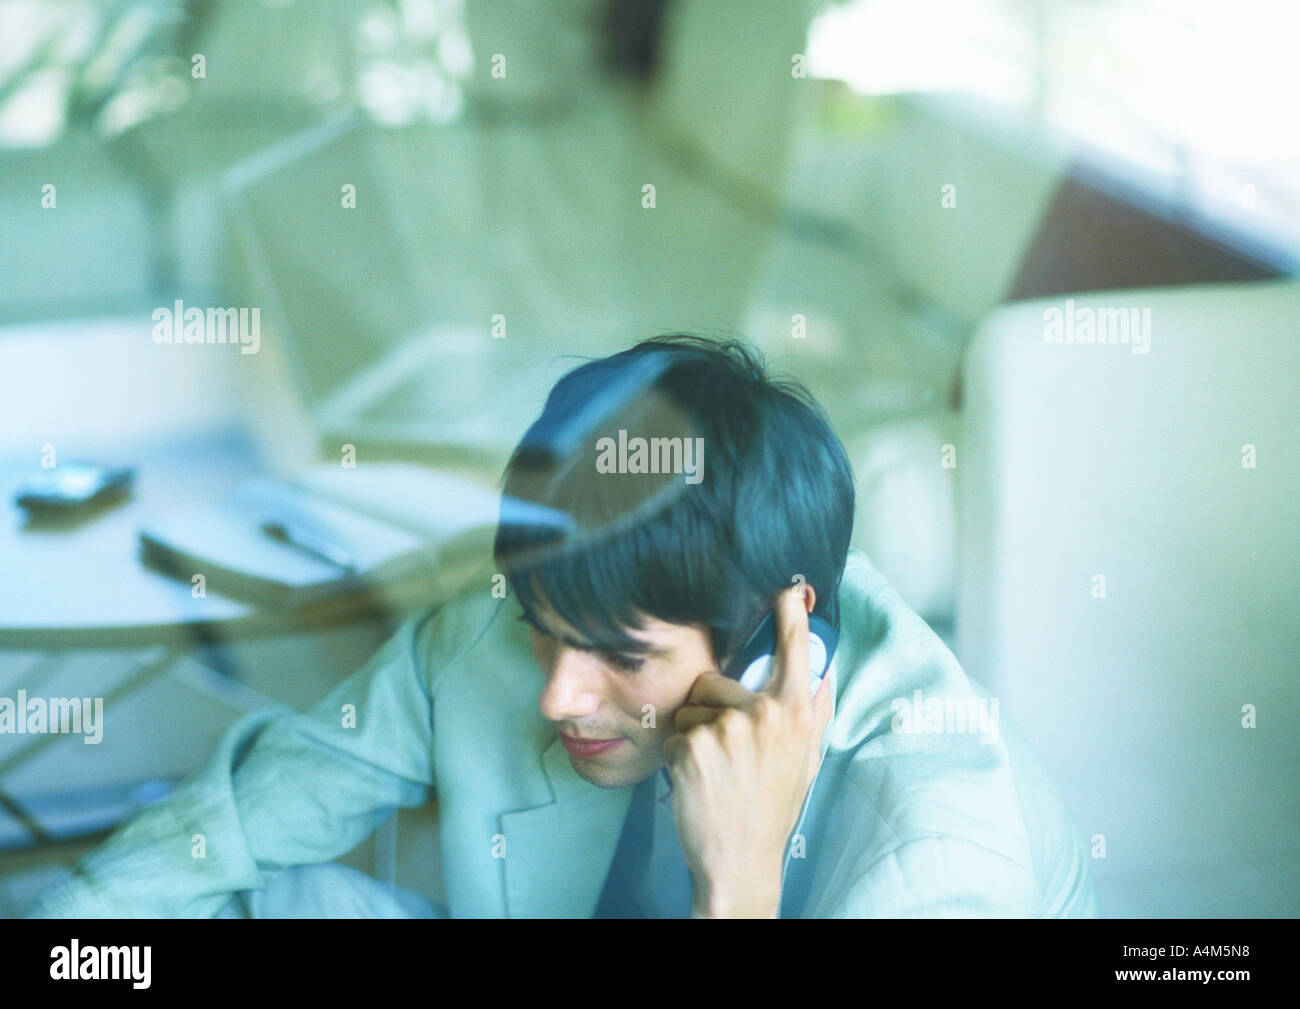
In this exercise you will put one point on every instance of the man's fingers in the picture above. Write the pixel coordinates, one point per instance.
(790, 664)
(689, 715)
(720, 691)
(673, 749)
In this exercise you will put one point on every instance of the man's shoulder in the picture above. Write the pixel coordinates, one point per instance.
(886, 653)
(466, 620)
(474, 656)
(922, 758)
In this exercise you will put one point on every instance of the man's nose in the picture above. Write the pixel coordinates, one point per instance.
(572, 688)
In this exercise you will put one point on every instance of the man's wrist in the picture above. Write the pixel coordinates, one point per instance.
(757, 897)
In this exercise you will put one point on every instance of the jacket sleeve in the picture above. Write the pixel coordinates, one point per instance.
(283, 788)
(937, 877)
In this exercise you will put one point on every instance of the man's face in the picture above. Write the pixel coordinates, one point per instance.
(594, 696)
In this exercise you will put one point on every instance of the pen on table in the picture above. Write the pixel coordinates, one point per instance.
(296, 536)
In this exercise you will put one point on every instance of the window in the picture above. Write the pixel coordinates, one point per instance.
(1197, 92)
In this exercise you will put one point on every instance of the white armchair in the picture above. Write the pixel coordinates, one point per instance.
(1128, 567)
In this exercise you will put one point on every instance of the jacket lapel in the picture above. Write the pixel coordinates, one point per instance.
(559, 853)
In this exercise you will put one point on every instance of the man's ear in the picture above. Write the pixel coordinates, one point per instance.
(809, 597)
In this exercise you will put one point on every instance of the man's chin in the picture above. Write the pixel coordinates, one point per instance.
(608, 777)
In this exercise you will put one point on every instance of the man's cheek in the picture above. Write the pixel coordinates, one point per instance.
(654, 716)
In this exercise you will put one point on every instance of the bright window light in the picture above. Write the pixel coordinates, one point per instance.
(1198, 90)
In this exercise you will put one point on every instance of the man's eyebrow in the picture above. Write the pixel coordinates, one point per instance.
(571, 642)
(587, 646)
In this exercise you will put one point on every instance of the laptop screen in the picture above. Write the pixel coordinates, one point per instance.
(315, 246)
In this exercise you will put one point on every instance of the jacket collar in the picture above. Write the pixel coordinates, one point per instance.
(559, 853)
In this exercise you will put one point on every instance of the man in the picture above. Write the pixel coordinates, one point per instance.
(590, 748)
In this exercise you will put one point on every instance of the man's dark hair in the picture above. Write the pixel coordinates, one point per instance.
(773, 501)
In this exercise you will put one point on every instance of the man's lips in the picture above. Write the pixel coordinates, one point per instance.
(588, 747)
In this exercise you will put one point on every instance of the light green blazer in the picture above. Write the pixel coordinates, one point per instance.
(911, 814)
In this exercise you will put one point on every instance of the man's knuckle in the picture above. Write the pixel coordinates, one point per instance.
(730, 722)
(695, 738)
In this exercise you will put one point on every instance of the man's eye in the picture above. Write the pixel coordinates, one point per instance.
(627, 662)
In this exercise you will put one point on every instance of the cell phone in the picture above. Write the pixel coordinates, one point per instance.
(753, 663)
(73, 485)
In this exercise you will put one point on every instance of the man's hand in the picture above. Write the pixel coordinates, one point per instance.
(741, 764)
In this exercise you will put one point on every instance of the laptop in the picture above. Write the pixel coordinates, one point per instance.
(348, 286)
